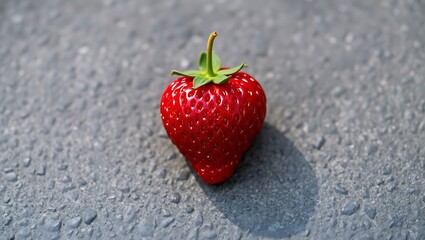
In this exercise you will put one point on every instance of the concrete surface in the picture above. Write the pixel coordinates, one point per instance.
(83, 153)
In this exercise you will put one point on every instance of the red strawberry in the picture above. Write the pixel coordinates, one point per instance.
(212, 115)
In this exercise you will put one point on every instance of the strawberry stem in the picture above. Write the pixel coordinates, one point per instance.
(210, 70)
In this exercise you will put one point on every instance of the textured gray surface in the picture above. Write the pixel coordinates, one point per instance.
(83, 153)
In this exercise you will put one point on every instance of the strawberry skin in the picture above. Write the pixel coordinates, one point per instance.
(213, 125)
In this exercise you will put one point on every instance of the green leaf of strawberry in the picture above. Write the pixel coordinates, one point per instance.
(209, 68)
(199, 81)
(233, 70)
(189, 73)
(203, 62)
(219, 79)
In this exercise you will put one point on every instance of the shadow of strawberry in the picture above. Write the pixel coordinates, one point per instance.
(272, 193)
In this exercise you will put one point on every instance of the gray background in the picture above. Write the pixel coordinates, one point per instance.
(83, 153)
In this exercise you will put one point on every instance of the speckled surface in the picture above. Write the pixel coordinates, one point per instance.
(83, 154)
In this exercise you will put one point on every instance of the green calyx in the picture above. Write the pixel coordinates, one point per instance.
(209, 68)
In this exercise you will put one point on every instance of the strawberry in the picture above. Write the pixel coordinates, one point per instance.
(213, 115)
